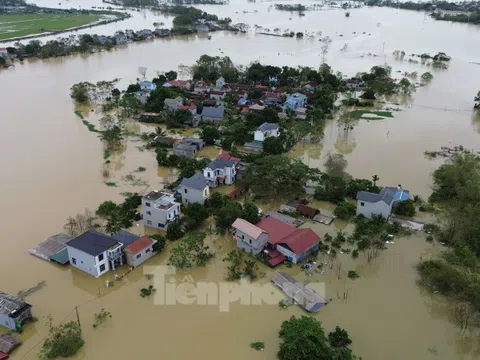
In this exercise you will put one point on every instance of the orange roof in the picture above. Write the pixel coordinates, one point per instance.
(140, 244)
(247, 228)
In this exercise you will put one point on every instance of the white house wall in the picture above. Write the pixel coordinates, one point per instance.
(373, 208)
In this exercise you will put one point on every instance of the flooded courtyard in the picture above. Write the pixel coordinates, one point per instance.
(51, 168)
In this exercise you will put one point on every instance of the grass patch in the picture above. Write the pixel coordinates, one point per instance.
(90, 126)
(359, 114)
(79, 114)
(111, 184)
(15, 25)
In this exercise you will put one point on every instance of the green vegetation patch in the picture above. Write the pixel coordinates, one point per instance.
(377, 115)
(15, 25)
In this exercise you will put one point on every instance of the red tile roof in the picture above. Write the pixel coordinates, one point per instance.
(140, 244)
(188, 107)
(272, 95)
(275, 257)
(225, 155)
(178, 83)
(3, 356)
(298, 240)
(214, 92)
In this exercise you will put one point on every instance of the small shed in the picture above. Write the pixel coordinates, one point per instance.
(307, 211)
(290, 220)
(296, 291)
(53, 249)
(8, 344)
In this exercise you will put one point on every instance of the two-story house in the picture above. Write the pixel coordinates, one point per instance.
(220, 171)
(147, 86)
(95, 253)
(202, 87)
(220, 83)
(369, 204)
(194, 189)
(249, 237)
(172, 105)
(266, 130)
(159, 209)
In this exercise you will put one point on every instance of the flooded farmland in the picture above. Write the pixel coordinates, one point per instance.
(51, 168)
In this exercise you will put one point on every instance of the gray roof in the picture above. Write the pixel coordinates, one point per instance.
(215, 112)
(9, 303)
(184, 146)
(194, 140)
(220, 164)
(267, 126)
(125, 237)
(155, 195)
(51, 246)
(92, 242)
(386, 195)
(197, 181)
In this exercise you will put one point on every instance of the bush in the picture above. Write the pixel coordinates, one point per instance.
(64, 340)
(345, 210)
(160, 244)
(405, 208)
(174, 232)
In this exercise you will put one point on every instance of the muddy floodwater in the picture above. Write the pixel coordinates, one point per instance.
(52, 167)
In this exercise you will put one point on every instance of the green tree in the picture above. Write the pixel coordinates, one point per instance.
(130, 105)
(345, 210)
(278, 175)
(426, 77)
(80, 92)
(405, 207)
(375, 178)
(250, 212)
(64, 340)
(347, 121)
(2, 61)
(171, 75)
(335, 165)
(251, 268)
(228, 214)
(406, 87)
(190, 252)
(195, 215)
(339, 338)
(210, 134)
(106, 208)
(216, 201)
(234, 259)
(273, 145)
(477, 101)
(160, 244)
(174, 231)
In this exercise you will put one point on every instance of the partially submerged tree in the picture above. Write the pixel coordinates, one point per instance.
(191, 252)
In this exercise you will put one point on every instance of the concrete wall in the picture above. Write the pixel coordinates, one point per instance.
(190, 195)
(296, 258)
(368, 209)
(7, 322)
(249, 244)
(258, 135)
(87, 262)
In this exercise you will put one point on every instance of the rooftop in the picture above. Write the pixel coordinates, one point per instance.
(125, 237)
(219, 163)
(267, 126)
(225, 155)
(8, 343)
(54, 244)
(197, 181)
(213, 111)
(139, 244)
(9, 303)
(92, 242)
(247, 228)
(388, 195)
(298, 240)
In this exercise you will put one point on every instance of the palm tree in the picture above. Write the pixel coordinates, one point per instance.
(375, 178)
(159, 131)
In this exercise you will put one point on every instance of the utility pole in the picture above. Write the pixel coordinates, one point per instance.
(78, 317)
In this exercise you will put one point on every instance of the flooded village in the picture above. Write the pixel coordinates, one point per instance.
(203, 175)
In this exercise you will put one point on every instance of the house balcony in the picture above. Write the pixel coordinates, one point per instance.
(115, 252)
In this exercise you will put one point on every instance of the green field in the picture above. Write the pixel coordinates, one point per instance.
(374, 115)
(14, 25)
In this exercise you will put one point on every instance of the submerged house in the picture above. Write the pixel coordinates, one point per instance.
(7, 345)
(265, 130)
(159, 209)
(139, 251)
(188, 147)
(249, 237)
(14, 311)
(53, 249)
(194, 189)
(295, 101)
(220, 171)
(369, 204)
(95, 253)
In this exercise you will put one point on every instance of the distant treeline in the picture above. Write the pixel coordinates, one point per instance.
(468, 12)
(287, 7)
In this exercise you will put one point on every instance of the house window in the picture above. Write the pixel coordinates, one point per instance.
(250, 242)
(149, 222)
(243, 237)
(102, 268)
(100, 257)
(147, 251)
(362, 204)
(149, 213)
(147, 204)
(186, 191)
(138, 256)
(161, 225)
(74, 261)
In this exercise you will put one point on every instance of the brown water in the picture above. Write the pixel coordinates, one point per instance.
(52, 168)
